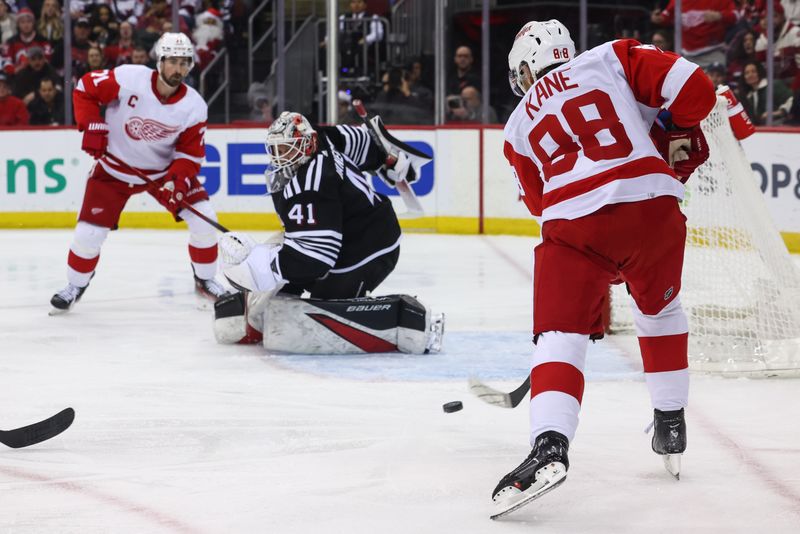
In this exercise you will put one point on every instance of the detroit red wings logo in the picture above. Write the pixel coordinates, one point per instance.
(148, 130)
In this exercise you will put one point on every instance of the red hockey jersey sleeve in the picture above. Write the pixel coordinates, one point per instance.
(527, 175)
(663, 79)
(190, 149)
(94, 89)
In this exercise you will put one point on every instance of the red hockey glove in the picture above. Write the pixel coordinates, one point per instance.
(175, 188)
(95, 139)
(683, 150)
(695, 156)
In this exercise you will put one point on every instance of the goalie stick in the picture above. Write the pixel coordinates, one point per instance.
(38, 432)
(406, 193)
(495, 397)
(183, 203)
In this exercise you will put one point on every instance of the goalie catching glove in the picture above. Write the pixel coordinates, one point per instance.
(403, 162)
(250, 266)
(683, 149)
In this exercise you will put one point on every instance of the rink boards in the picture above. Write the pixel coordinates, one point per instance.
(467, 188)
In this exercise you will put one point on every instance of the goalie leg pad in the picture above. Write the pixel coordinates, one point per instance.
(394, 323)
(237, 318)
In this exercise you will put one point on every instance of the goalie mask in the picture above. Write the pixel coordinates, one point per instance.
(173, 45)
(538, 45)
(291, 141)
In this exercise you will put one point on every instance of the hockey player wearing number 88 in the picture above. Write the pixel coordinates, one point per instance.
(156, 124)
(607, 196)
(341, 240)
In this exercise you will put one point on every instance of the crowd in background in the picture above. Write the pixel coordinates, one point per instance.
(725, 37)
(104, 34)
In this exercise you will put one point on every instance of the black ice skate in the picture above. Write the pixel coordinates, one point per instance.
(210, 289)
(669, 438)
(543, 470)
(64, 299)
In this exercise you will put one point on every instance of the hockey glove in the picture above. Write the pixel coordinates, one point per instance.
(234, 247)
(176, 186)
(683, 150)
(95, 139)
(401, 170)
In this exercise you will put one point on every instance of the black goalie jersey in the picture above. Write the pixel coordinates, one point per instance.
(333, 219)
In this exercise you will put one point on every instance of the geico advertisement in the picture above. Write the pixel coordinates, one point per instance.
(775, 160)
(47, 171)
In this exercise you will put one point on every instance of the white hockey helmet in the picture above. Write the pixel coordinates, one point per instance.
(174, 44)
(538, 45)
(291, 141)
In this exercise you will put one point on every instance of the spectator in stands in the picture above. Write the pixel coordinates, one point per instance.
(465, 73)
(662, 39)
(470, 108)
(418, 90)
(81, 8)
(209, 36)
(357, 30)
(786, 46)
(127, 10)
(743, 50)
(347, 115)
(80, 47)
(27, 79)
(717, 74)
(704, 24)
(12, 110)
(140, 56)
(47, 108)
(395, 103)
(95, 60)
(791, 9)
(151, 24)
(26, 38)
(8, 23)
(260, 98)
(104, 27)
(753, 94)
(51, 25)
(120, 52)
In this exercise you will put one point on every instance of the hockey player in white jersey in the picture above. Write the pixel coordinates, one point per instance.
(341, 240)
(154, 123)
(607, 196)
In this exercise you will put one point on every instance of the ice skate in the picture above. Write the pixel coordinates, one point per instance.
(63, 300)
(210, 289)
(669, 439)
(543, 470)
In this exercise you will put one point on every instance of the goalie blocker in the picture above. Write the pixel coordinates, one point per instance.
(392, 323)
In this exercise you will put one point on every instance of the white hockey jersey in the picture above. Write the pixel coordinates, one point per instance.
(145, 131)
(579, 139)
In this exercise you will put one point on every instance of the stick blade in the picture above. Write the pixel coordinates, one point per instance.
(38, 432)
(488, 394)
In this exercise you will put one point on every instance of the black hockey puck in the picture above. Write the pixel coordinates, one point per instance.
(450, 407)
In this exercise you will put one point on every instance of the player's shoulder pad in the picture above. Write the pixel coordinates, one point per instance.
(125, 74)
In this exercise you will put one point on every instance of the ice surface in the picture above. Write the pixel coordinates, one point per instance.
(175, 433)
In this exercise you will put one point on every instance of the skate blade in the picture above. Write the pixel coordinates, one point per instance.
(549, 478)
(672, 463)
(57, 311)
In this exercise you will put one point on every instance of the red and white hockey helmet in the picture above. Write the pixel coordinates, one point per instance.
(174, 44)
(291, 141)
(538, 45)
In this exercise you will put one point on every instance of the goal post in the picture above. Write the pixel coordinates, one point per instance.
(740, 287)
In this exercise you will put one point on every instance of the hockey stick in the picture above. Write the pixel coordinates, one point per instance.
(38, 432)
(182, 202)
(498, 398)
(406, 193)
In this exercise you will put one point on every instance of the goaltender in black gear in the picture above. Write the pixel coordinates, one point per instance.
(341, 239)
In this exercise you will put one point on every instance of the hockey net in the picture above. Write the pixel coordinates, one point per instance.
(740, 288)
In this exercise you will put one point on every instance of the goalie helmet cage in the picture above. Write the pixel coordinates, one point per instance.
(740, 287)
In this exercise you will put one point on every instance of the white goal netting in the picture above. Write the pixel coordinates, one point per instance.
(741, 289)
